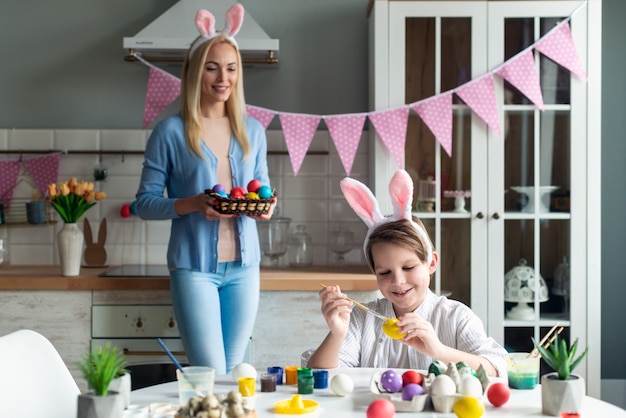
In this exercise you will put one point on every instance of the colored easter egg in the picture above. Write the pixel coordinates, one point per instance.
(252, 195)
(223, 194)
(411, 376)
(342, 384)
(469, 407)
(391, 381)
(238, 193)
(254, 185)
(498, 393)
(392, 330)
(411, 390)
(218, 188)
(265, 192)
(381, 408)
(125, 211)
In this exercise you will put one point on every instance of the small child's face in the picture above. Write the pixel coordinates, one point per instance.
(402, 277)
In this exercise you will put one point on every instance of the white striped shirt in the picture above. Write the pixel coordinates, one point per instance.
(455, 324)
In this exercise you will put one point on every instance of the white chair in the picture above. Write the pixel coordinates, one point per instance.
(34, 380)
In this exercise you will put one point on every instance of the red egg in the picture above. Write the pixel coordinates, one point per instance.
(125, 210)
(411, 376)
(238, 192)
(498, 394)
(381, 408)
(254, 185)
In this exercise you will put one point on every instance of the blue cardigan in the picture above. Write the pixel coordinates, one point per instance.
(171, 167)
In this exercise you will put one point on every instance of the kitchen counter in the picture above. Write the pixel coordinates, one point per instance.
(16, 277)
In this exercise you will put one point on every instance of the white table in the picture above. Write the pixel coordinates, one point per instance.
(523, 403)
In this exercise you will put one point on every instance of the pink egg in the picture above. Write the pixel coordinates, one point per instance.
(391, 381)
(411, 390)
(381, 408)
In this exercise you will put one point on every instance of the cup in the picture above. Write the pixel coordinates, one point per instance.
(195, 380)
(522, 371)
(247, 386)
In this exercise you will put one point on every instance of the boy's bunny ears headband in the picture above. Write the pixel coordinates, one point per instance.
(362, 200)
(205, 22)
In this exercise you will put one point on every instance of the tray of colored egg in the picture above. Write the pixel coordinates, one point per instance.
(255, 199)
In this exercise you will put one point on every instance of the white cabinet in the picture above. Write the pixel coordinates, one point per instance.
(531, 192)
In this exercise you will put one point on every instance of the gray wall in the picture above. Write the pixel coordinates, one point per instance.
(62, 67)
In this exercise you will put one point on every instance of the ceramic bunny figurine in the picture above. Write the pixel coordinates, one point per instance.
(95, 254)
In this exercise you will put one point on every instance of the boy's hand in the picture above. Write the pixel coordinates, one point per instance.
(420, 335)
(336, 309)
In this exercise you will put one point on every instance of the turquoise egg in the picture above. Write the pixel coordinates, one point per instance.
(265, 192)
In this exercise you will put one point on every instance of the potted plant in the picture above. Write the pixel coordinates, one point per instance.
(561, 391)
(99, 368)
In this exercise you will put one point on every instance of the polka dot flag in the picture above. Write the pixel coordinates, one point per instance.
(436, 113)
(558, 45)
(345, 131)
(163, 89)
(8, 178)
(44, 170)
(521, 72)
(262, 115)
(480, 96)
(298, 131)
(391, 127)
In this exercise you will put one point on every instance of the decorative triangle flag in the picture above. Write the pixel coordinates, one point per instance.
(44, 170)
(163, 89)
(8, 179)
(558, 45)
(298, 130)
(480, 96)
(264, 116)
(345, 131)
(391, 127)
(436, 113)
(521, 72)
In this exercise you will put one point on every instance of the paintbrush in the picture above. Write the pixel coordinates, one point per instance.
(365, 308)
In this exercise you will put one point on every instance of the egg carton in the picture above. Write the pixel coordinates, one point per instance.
(417, 404)
(228, 206)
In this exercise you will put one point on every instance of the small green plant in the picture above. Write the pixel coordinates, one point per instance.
(559, 357)
(101, 366)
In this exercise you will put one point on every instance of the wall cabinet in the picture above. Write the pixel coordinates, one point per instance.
(529, 194)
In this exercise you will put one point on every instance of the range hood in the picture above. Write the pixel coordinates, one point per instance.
(168, 37)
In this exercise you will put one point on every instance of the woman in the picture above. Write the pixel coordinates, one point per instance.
(213, 258)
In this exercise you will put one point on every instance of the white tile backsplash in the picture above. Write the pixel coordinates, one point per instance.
(312, 198)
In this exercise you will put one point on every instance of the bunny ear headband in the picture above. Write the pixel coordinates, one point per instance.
(364, 203)
(205, 22)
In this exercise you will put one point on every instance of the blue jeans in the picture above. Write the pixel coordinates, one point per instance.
(216, 313)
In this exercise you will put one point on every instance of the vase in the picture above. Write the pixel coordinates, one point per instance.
(122, 384)
(92, 406)
(561, 395)
(70, 242)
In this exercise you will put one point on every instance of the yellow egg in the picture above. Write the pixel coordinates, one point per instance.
(469, 407)
(392, 330)
(252, 195)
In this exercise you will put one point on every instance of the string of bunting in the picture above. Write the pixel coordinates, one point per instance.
(391, 124)
(44, 169)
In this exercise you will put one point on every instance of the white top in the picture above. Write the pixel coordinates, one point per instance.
(366, 345)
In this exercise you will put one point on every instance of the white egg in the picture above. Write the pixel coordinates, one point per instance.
(342, 384)
(471, 386)
(243, 370)
(443, 385)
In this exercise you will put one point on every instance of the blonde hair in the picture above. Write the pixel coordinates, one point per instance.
(403, 233)
(190, 95)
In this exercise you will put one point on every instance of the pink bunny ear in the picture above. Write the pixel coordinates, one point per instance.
(205, 22)
(362, 200)
(401, 192)
(234, 20)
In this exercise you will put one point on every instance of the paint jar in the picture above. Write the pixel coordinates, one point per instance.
(278, 371)
(305, 381)
(522, 370)
(268, 382)
(291, 375)
(320, 379)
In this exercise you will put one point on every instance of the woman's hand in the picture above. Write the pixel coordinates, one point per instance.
(420, 335)
(267, 216)
(336, 308)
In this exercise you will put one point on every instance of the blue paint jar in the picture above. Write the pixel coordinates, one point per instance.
(278, 371)
(320, 379)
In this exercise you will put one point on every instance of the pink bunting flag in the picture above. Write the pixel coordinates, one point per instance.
(391, 127)
(44, 170)
(558, 45)
(521, 72)
(163, 89)
(480, 96)
(436, 113)
(264, 116)
(298, 130)
(8, 179)
(345, 131)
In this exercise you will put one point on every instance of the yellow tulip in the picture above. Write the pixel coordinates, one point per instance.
(65, 189)
(100, 195)
(80, 189)
(52, 190)
(89, 186)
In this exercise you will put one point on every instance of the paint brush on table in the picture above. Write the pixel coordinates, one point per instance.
(365, 308)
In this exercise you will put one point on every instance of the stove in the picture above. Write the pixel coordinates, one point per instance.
(137, 270)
